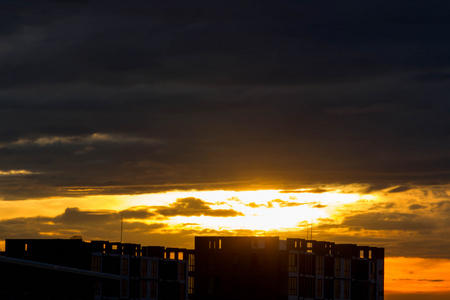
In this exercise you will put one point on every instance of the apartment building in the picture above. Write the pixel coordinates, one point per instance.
(92, 270)
(219, 268)
(262, 268)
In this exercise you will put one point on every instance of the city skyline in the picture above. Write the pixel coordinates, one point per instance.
(218, 267)
(231, 118)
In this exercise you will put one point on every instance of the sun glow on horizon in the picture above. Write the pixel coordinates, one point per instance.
(261, 210)
(175, 213)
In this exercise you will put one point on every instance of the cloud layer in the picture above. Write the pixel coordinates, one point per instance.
(101, 97)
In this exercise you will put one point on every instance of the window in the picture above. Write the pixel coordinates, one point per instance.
(96, 262)
(191, 262)
(258, 243)
(154, 271)
(26, 247)
(309, 245)
(114, 247)
(191, 285)
(347, 267)
(215, 245)
(319, 288)
(124, 266)
(337, 289)
(144, 268)
(319, 265)
(337, 267)
(292, 286)
(346, 289)
(372, 270)
(180, 255)
(309, 265)
(292, 263)
(172, 255)
(144, 289)
(361, 253)
(309, 290)
(124, 288)
(153, 289)
(370, 254)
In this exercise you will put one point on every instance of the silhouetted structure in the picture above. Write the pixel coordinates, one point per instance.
(268, 268)
(250, 268)
(74, 269)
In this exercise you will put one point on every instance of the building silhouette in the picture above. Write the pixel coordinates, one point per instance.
(261, 268)
(71, 269)
(250, 268)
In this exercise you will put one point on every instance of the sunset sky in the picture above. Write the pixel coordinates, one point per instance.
(231, 118)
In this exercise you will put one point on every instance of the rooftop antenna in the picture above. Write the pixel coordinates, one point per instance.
(121, 226)
(307, 232)
(312, 221)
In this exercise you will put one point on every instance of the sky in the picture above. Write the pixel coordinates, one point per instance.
(231, 118)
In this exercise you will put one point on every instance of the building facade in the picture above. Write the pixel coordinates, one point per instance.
(219, 268)
(97, 270)
(262, 268)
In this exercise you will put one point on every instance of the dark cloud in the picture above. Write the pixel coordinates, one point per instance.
(138, 213)
(320, 206)
(416, 206)
(91, 224)
(432, 280)
(221, 95)
(283, 203)
(254, 205)
(383, 206)
(195, 207)
(314, 191)
(389, 221)
(74, 216)
(399, 189)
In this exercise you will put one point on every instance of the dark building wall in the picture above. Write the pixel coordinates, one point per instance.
(237, 268)
(53, 251)
(267, 268)
(138, 277)
(28, 282)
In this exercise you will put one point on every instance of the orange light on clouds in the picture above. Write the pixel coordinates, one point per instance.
(262, 210)
(244, 212)
(53, 206)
